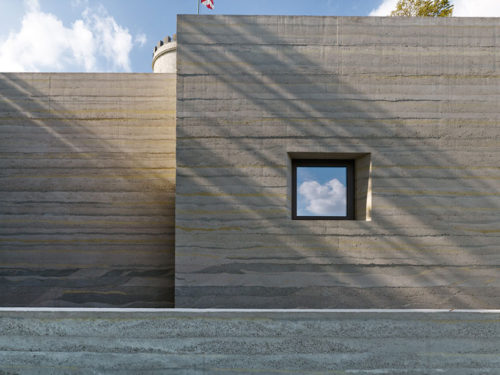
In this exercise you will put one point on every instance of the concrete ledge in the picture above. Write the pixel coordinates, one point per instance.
(201, 311)
(192, 341)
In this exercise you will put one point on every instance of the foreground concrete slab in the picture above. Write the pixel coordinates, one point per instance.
(187, 341)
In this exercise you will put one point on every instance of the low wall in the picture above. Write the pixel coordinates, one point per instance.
(249, 342)
(87, 182)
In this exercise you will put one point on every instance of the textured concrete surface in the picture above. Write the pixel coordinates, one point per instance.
(249, 342)
(420, 96)
(87, 180)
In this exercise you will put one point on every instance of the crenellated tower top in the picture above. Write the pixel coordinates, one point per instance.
(165, 55)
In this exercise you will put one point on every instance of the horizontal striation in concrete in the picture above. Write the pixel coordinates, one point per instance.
(87, 188)
(419, 95)
(249, 342)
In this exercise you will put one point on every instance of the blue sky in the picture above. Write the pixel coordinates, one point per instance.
(119, 35)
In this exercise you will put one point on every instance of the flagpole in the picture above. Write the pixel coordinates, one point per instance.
(198, 1)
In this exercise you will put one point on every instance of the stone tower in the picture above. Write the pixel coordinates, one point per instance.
(165, 55)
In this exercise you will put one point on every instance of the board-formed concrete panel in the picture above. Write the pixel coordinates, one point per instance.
(87, 181)
(420, 96)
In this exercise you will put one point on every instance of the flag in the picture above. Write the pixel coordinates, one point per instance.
(208, 3)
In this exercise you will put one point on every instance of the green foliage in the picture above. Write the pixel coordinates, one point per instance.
(423, 8)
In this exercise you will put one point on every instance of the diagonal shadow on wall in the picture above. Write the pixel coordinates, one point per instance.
(253, 89)
(87, 186)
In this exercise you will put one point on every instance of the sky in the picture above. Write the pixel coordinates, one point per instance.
(119, 35)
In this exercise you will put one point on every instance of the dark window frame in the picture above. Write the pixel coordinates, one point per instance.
(348, 164)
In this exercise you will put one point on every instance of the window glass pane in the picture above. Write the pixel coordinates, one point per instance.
(321, 191)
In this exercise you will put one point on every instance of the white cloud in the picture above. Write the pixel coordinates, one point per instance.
(79, 3)
(476, 8)
(32, 5)
(95, 42)
(114, 42)
(385, 8)
(328, 199)
(463, 8)
(141, 39)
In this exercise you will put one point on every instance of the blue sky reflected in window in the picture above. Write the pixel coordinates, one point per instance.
(321, 191)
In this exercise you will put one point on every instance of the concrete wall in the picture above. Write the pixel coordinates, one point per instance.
(87, 180)
(418, 97)
(255, 342)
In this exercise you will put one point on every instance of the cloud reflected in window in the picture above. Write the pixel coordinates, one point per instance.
(321, 191)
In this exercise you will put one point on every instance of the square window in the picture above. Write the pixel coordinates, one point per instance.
(322, 189)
